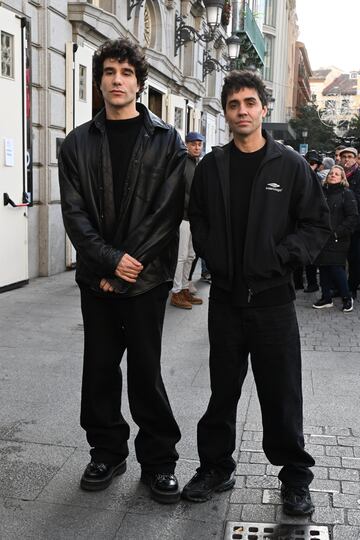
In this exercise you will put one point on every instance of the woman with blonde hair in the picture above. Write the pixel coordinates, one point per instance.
(344, 218)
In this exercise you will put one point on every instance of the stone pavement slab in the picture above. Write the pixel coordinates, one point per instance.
(43, 450)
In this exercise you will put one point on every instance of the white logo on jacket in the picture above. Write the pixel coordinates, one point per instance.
(273, 186)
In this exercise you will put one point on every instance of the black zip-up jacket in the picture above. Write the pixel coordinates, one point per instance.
(288, 221)
(344, 218)
(151, 209)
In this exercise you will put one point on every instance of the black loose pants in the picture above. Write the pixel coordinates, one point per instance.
(271, 336)
(112, 325)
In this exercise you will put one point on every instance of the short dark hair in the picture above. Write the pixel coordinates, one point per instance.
(340, 147)
(237, 80)
(122, 50)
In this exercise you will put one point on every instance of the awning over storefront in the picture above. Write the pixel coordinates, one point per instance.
(280, 130)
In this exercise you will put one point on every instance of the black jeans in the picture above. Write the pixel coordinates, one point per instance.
(271, 336)
(354, 262)
(330, 276)
(311, 273)
(112, 325)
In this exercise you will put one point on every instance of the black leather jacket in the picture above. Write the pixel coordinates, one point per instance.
(151, 209)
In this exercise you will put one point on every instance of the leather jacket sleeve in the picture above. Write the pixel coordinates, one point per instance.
(311, 214)
(150, 237)
(100, 257)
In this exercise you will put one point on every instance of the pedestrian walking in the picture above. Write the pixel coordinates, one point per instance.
(122, 196)
(183, 293)
(344, 218)
(352, 171)
(256, 211)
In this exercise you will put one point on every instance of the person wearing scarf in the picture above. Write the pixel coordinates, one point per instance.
(348, 158)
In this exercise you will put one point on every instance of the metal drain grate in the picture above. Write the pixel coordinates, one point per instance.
(273, 531)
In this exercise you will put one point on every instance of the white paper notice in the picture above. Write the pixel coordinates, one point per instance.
(9, 152)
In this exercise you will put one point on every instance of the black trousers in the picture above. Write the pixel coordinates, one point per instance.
(112, 325)
(354, 262)
(271, 336)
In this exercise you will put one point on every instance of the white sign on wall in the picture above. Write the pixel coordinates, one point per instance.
(9, 152)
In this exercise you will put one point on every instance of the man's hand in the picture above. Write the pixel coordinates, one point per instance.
(106, 286)
(128, 268)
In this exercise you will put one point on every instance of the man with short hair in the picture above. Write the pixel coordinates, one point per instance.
(122, 196)
(348, 158)
(182, 296)
(256, 212)
(337, 153)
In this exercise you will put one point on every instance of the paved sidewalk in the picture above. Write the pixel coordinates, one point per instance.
(43, 451)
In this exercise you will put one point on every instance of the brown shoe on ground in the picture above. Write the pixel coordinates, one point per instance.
(180, 301)
(195, 300)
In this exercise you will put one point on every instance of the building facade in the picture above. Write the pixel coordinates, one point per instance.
(280, 34)
(46, 66)
(47, 90)
(337, 96)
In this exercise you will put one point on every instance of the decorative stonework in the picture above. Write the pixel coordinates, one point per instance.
(170, 4)
(7, 55)
(147, 26)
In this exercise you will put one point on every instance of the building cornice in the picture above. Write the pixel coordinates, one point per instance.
(94, 24)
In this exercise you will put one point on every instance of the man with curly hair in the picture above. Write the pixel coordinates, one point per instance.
(122, 195)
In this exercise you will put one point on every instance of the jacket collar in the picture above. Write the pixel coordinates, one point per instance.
(273, 148)
(151, 121)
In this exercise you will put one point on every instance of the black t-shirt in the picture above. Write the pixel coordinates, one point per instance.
(122, 135)
(243, 169)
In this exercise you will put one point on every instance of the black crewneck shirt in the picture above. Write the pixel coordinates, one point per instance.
(243, 170)
(122, 135)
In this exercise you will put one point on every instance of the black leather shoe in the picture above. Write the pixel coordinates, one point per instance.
(296, 500)
(99, 476)
(204, 483)
(164, 487)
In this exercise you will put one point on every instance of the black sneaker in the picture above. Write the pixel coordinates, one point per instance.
(99, 476)
(322, 303)
(348, 304)
(311, 288)
(296, 500)
(164, 487)
(204, 483)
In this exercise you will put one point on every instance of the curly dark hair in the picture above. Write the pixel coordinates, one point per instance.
(123, 50)
(237, 80)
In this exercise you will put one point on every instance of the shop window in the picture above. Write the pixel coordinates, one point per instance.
(7, 55)
(82, 83)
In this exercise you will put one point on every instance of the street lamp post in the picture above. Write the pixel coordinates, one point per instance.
(304, 134)
(185, 32)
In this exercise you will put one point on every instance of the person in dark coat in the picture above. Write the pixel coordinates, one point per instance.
(344, 219)
(256, 211)
(352, 171)
(122, 198)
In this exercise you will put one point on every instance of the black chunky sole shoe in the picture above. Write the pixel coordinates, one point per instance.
(98, 476)
(164, 487)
